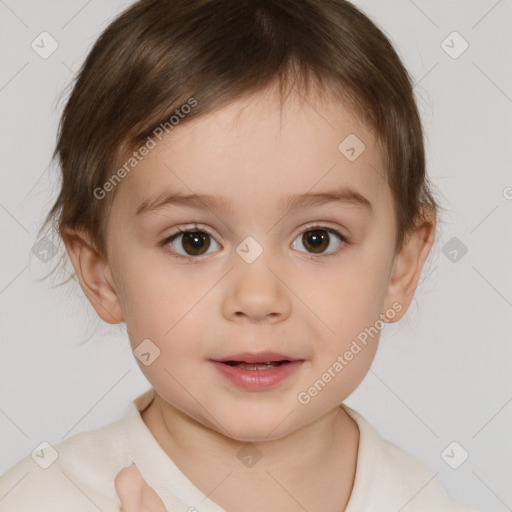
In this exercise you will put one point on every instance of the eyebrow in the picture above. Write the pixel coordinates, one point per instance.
(291, 202)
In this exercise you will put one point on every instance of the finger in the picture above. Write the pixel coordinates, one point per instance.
(129, 485)
(135, 494)
(151, 502)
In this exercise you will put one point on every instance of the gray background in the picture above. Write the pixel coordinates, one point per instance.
(442, 374)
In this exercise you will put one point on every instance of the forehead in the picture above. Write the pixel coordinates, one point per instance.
(255, 151)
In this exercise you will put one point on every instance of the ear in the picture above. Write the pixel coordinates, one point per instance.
(408, 264)
(94, 275)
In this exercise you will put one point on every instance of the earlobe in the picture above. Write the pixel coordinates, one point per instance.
(408, 265)
(93, 273)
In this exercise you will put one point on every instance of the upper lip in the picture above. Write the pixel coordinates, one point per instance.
(256, 357)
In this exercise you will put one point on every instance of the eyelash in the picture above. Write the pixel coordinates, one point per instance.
(193, 259)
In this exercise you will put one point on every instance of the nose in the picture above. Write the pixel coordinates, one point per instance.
(256, 292)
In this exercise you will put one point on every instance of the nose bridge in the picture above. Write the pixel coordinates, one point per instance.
(255, 289)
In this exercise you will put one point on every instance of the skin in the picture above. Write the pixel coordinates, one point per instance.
(284, 301)
(135, 494)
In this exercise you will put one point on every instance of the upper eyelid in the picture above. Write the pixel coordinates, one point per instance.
(192, 229)
(312, 225)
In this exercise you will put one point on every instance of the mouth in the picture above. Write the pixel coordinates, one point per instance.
(255, 366)
(256, 361)
(257, 371)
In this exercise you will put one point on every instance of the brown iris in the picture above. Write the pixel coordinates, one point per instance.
(315, 240)
(195, 243)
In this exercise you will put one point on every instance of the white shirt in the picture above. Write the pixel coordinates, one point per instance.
(81, 478)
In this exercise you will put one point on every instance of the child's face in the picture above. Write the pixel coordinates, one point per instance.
(220, 303)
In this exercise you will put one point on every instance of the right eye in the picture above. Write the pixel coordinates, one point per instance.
(193, 243)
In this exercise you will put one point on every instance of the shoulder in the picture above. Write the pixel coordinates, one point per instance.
(76, 474)
(419, 488)
(389, 479)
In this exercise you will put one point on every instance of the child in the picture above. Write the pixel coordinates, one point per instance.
(244, 186)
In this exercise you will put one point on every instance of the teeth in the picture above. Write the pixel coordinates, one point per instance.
(255, 366)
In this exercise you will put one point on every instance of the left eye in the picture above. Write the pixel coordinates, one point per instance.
(315, 240)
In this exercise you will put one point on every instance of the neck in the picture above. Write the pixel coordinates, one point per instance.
(271, 475)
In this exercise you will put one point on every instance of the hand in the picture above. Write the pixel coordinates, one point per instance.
(135, 494)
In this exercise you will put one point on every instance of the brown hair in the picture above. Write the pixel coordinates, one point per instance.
(158, 54)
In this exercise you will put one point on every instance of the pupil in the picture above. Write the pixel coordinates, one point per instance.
(315, 240)
(195, 241)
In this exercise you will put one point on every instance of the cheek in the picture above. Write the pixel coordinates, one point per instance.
(173, 335)
(157, 296)
(164, 310)
(344, 356)
(350, 297)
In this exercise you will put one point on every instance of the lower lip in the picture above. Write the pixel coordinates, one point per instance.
(256, 380)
